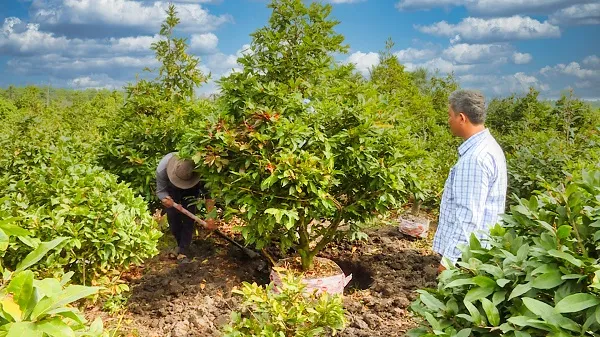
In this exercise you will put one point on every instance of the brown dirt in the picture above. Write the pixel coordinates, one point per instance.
(194, 299)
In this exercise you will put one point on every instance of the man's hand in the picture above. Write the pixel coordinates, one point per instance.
(167, 202)
(441, 268)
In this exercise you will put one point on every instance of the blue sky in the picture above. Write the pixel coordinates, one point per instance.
(497, 46)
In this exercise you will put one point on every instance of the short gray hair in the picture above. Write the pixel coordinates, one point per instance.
(469, 102)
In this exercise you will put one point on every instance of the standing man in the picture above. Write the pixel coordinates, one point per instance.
(475, 191)
(177, 182)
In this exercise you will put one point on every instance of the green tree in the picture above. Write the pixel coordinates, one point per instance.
(301, 145)
(156, 113)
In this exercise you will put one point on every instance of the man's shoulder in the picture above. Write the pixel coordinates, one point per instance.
(485, 154)
(162, 164)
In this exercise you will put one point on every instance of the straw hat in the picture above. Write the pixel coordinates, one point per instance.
(181, 173)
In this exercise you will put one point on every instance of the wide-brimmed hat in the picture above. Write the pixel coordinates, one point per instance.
(181, 172)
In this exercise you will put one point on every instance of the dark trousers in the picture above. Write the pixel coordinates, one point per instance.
(182, 226)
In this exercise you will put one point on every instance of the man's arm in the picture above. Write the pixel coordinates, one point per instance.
(162, 182)
(470, 187)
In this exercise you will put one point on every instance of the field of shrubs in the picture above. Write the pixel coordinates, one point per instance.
(306, 158)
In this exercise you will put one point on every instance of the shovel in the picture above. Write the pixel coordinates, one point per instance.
(246, 251)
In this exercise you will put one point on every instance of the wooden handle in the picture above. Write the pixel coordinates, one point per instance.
(188, 213)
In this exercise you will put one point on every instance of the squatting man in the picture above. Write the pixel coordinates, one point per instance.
(475, 190)
(177, 182)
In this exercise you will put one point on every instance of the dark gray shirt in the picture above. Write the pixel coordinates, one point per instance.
(162, 179)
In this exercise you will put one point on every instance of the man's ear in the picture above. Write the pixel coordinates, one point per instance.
(463, 118)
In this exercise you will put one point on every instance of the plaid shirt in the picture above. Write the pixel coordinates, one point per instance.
(474, 195)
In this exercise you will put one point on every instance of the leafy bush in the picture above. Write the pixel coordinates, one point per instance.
(540, 276)
(31, 307)
(300, 138)
(290, 311)
(49, 182)
(542, 141)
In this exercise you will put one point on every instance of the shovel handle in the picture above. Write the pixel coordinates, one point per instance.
(221, 234)
(190, 214)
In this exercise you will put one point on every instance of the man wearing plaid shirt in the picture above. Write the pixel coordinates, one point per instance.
(475, 191)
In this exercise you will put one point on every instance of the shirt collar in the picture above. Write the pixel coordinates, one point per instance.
(473, 140)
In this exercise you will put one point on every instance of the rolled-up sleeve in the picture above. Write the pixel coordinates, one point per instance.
(470, 189)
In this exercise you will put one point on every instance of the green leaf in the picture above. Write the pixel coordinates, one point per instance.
(459, 282)
(432, 302)
(55, 328)
(547, 226)
(478, 293)
(70, 294)
(491, 312)
(565, 256)
(21, 286)
(23, 329)
(499, 297)
(474, 243)
(563, 231)
(48, 287)
(66, 278)
(475, 314)
(484, 282)
(38, 253)
(495, 271)
(520, 290)
(502, 282)
(68, 312)
(548, 280)
(4, 240)
(539, 308)
(463, 333)
(435, 325)
(577, 302)
(522, 253)
(14, 230)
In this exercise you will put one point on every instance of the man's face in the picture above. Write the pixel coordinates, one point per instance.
(455, 121)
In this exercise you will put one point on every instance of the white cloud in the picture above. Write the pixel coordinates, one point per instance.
(21, 39)
(521, 58)
(222, 62)
(571, 69)
(502, 85)
(492, 7)
(145, 17)
(496, 29)
(592, 61)
(204, 43)
(17, 37)
(412, 54)
(95, 81)
(62, 66)
(476, 53)
(439, 64)
(363, 61)
(132, 44)
(583, 14)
